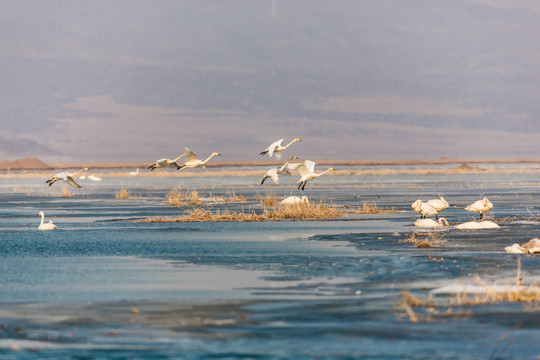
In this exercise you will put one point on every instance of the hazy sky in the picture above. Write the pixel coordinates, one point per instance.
(383, 79)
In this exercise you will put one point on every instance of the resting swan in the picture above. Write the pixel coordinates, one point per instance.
(192, 161)
(430, 223)
(480, 206)
(438, 204)
(424, 209)
(67, 177)
(162, 163)
(273, 172)
(530, 247)
(307, 172)
(474, 225)
(48, 226)
(276, 147)
(295, 200)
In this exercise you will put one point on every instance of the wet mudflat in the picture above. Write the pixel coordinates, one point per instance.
(104, 285)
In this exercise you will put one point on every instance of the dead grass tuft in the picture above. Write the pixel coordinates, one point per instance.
(176, 198)
(372, 208)
(124, 194)
(66, 193)
(269, 200)
(425, 240)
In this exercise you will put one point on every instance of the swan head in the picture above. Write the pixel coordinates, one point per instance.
(41, 213)
(485, 201)
(305, 200)
(216, 154)
(331, 169)
(297, 139)
(85, 169)
(443, 221)
(293, 158)
(417, 205)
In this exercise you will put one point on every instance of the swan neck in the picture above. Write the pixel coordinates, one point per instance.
(42, 219)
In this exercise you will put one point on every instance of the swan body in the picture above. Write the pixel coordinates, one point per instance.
(162, 163)
(94, 178)
(530, 247)
(438, 204)
(67, 177)
(134, 173)
(474, 225)
(274, 172)
(45, 226)
(192, 161)
(276, 147)
(424, 209)
(307, 172)
(430, 223)
(295, 200)
(480, 206)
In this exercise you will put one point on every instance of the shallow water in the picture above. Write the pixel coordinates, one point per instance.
(108, 287)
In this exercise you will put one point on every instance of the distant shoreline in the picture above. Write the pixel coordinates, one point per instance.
(36, 164)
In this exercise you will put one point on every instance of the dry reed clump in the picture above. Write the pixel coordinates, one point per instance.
(66, 193)
(268, 200)
(123, 194)
(519, 293)
(371, 208)
(291, 212)
(425, 240)
(175, 198)
(229, 198)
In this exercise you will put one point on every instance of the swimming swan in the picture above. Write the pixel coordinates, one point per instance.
(480, 206)
(276, 147)
(162, 163)
(530, 247)
(67, 177)
(48, 226)
(307, 172)
(424, 209)
(295, 200)
(274, 172)
(430, 223)
(438, 204)
(474, 225)
(192, 161)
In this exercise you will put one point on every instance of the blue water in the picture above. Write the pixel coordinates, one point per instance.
(105, 286)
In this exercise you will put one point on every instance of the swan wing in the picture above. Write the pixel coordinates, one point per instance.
(307, 168)
(161, 161)
(273, 174)
(72, 182)
(273, 146)
(190, 155)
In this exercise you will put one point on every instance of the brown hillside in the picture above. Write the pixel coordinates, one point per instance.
(25, 164)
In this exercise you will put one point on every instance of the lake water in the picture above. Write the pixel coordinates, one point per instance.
(105, 286)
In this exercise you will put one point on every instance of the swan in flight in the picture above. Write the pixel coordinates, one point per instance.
(474, 225)
(48, 226)
(67, 177)
(295, 200)
(162, 163)
(424, 209)
(438, 204)
(276, 147)
(274, 172)
(192, 161)
(307, 172)
(530, 247)
(430, 223)
(480, 206)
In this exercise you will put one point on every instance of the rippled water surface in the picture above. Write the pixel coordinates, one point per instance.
(106, 286)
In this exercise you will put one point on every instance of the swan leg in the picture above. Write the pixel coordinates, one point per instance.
(264, 152)
(304, 186)
(264, 178)
(299, 185)
(481, 216)
(181, 167)
(437, 216)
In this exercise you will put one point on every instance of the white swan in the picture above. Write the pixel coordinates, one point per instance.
(276, 147)
(474, 225)
(134, 173)
(480, 206)
(48, 226)
(162, 163)
(307, 172)
(94, 178)
(530, 247)
(438, 204)
(424, 209)
(295, 200)
(274, 172)
(67, 177)
(192, 161)
(430, 223)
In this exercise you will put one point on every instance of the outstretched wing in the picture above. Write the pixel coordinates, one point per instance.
(72, 182)
(273, 146)
(190, 155)
(307, 168)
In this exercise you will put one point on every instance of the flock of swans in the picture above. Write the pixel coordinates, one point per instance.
(306, 169)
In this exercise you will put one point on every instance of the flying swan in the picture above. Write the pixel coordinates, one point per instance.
(67, 177)
(424, 209)
(430, 223)
(295, 200)
(307, 172)
(162, 163)
(276, 147)
(274, 172)
(48, 226)
(192, 161)
(480, 206)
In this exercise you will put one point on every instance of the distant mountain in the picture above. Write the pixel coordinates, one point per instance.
(11, 149)
(24, 164)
